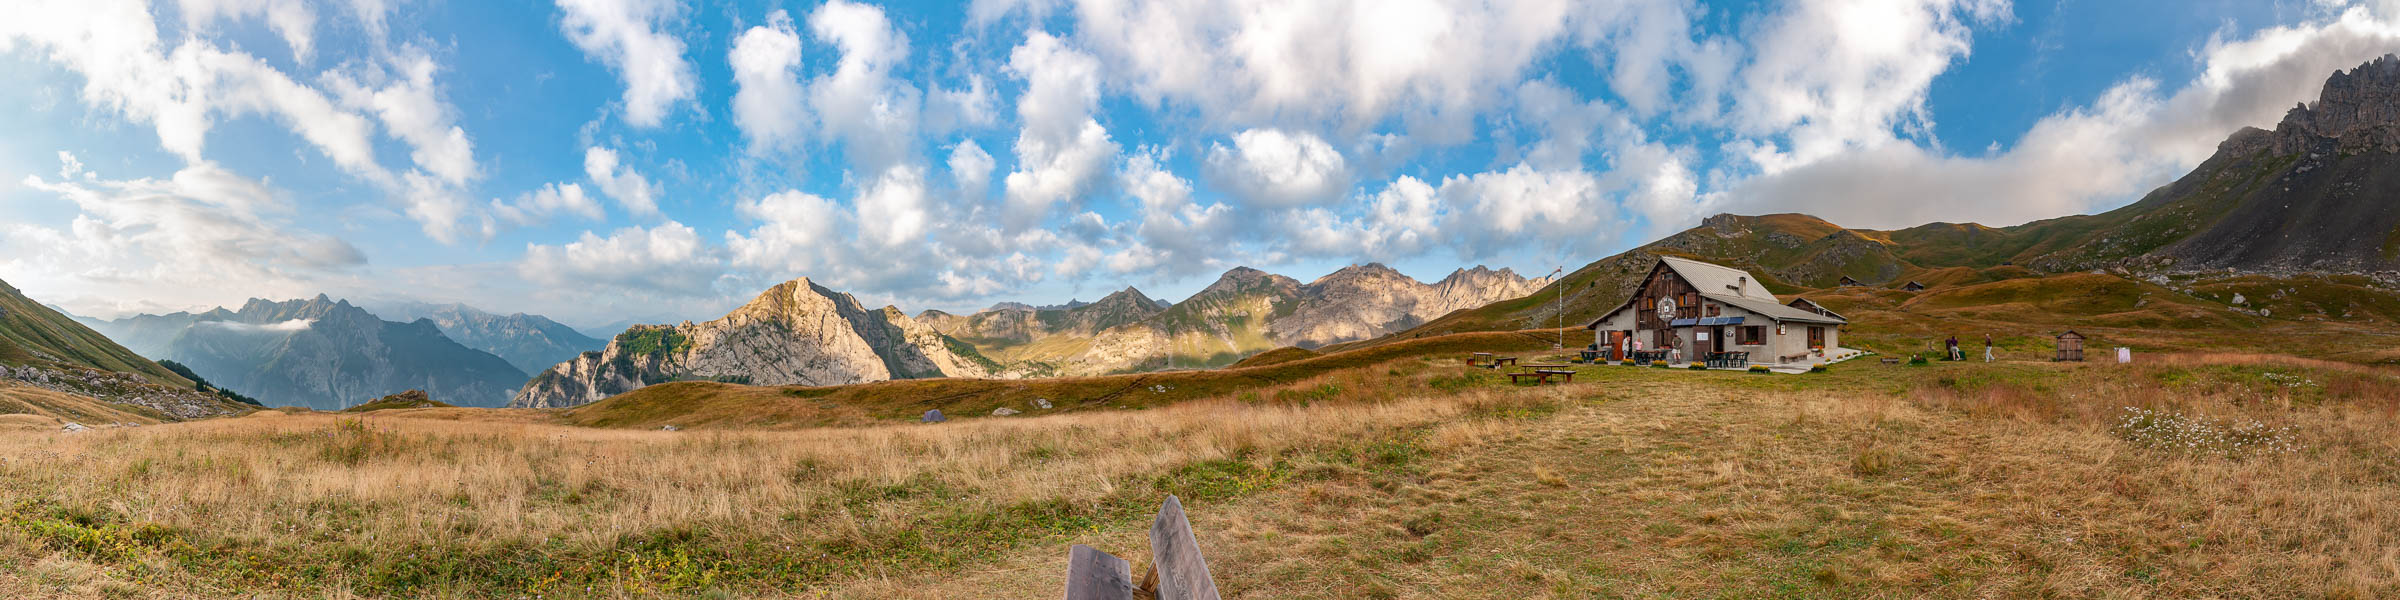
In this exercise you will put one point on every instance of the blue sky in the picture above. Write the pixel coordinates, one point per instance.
(601, 160)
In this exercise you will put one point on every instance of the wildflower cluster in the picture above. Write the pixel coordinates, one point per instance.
(2291, 381)
(2173, 430)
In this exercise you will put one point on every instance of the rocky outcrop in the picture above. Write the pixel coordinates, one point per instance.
(795, 333)
(124, 388)
(2313, 195)
(2358, 111)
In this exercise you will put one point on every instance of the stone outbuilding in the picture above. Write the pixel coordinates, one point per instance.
(1699, 308)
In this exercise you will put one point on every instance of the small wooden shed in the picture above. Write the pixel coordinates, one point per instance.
(2070, 347)
(1848, 282)
(1914, 287)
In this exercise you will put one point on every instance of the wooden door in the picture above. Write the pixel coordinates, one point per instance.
(1717, 339)
(1816, 337)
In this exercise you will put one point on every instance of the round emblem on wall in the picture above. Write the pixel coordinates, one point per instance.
(1666, 309)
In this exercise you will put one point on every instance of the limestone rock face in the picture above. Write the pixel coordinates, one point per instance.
(796, 333)
(1361, 302)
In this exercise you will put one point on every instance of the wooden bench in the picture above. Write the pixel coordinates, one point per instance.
(1890, 360)
(1505, 360)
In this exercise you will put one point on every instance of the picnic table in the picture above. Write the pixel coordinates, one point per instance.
(1542, 376)
(1505, 360)
(1644, 357)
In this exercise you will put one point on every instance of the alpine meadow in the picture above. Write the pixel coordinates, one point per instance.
(1199, 299)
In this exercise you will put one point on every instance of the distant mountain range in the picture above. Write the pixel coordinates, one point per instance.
(1246, 311)
(801, 333)
(319, 353)
(531, 343)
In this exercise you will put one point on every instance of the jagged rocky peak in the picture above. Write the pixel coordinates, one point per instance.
(2358, 110)
(1480, 273)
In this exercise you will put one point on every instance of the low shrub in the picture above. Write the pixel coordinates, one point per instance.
(1818, 369)
(1918, 361)
(1759, 369)
(1658, 365)
(1696, 367)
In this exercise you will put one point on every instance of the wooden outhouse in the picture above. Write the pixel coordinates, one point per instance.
(2070, 347)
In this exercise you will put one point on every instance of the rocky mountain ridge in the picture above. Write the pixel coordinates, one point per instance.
(796, 333)
(528, 342)
(1247, 311)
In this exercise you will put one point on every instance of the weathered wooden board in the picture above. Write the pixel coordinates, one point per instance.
(1096, 575)
(1182, 573)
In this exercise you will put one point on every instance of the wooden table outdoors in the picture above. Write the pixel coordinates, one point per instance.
(1541, 373)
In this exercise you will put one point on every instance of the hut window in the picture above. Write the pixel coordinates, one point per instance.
(1713, 309)
(1752, 335)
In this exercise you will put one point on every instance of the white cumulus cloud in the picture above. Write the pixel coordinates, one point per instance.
(767, 100)
(626, 35)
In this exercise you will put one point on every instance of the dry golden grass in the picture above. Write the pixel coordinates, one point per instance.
(1403, 479)
(1968, 489)
(337, 504)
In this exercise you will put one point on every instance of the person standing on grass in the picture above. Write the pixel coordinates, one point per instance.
(1950, 349)
(1987, 347)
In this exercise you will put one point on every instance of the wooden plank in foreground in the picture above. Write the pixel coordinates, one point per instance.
(1096, 575)
(1182, 573)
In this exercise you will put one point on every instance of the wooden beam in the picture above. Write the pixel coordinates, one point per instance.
(1096, 575)
(1182, 573)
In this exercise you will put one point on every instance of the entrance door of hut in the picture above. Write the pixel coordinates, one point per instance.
(1717, 339)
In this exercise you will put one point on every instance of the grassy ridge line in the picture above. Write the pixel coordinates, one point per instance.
(719, 405)
(29, 331)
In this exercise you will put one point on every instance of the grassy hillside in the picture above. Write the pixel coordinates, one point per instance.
(37, 408)
(32, 334)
